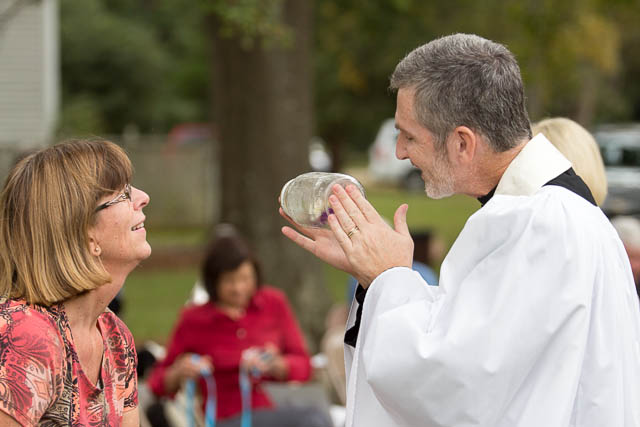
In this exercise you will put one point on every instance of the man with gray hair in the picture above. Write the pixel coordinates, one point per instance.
(535, 320)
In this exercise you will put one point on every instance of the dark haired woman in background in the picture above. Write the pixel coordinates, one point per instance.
(245, 324)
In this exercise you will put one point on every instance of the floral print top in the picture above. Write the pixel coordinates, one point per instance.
(41, 380)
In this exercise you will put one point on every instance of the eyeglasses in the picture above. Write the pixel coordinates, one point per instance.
(125, 195)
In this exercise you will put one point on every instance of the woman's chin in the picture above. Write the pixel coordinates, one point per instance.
(142, 255)
(146, 252)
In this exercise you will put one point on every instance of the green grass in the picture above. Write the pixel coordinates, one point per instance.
(160, 238)
(154, 296)
(153, 300)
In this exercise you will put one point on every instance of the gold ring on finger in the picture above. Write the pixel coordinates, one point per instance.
(352, 231)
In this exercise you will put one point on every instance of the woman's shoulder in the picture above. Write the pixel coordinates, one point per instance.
(267, 294)
(196, 311)
(31, 336)
(33, 359)
(198, 315)
(17, 318)
(271, 291)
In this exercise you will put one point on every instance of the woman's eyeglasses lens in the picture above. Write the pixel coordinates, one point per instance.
(125, 195)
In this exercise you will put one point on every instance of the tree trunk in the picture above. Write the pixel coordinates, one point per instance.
(588, 95)
(263, 111)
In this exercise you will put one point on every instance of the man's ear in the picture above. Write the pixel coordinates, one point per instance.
(463, 145)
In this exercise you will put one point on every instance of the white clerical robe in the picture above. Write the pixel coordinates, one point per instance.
(535, 322)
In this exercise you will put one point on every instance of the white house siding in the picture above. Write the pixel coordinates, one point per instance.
(29, 72)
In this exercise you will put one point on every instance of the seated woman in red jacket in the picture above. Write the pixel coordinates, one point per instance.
(245, 324)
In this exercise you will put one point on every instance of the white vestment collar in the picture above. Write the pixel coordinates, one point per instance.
(536, 164)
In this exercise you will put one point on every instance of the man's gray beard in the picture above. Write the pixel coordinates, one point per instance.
(443, 186)
(439, 195)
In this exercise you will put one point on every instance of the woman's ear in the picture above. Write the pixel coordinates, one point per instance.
(94, 247)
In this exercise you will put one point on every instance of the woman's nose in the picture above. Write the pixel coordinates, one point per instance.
(140, 198)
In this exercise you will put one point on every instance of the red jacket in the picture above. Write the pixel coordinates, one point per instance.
(205, 330)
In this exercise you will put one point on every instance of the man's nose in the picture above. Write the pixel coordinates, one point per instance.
(401, 153)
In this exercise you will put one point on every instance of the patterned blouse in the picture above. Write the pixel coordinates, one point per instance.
(41, 379)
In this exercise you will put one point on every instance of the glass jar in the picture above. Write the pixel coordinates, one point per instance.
(305, 198)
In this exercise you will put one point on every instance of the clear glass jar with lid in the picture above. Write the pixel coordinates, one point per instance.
(305, 198)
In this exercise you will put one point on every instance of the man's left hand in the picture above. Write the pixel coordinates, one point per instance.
(370, 245)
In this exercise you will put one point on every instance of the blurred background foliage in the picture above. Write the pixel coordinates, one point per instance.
(578, 58)
(132, 63)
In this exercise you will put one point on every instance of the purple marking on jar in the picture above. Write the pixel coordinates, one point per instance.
(324, 218)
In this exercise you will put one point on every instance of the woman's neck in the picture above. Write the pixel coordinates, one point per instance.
(83, 310)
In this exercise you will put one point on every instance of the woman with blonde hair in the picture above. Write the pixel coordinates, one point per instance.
(72, 229)
(580, 148)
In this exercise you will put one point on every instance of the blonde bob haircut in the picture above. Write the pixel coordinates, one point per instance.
(580, 148)
(47, 206)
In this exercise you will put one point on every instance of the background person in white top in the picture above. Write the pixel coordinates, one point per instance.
(535, 321)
